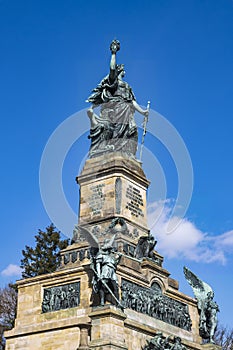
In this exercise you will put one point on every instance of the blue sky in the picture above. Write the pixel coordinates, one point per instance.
(178, 54)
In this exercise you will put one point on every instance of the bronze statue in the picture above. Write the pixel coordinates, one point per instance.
(104, 260)
(115, 128)
(207, 307)
(177, 344)
(160, 342)
(104, 265)
(145, 247)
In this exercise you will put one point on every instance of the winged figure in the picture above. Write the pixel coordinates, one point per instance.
(145, 247)
(207, 307)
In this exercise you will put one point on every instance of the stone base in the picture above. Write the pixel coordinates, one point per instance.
(107, 330)
(84, 327)
(55, 311)
(113, 186)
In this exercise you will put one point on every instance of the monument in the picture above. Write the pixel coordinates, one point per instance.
(111, 290)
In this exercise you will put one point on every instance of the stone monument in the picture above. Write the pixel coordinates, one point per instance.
(111, 291)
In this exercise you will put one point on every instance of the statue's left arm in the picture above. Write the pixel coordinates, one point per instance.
(140, 109)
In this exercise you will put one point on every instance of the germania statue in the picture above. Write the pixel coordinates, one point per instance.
(114, 130)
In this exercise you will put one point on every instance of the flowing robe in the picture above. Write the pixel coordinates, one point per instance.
(116, 130)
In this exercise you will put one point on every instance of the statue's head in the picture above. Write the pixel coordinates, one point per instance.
(120, 69)
(107, 246)
(177, 340)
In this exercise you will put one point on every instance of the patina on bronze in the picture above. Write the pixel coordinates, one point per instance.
(114, 130)
(152, 302)
(160, 342)
(61, 297)
(207, 307)
(104, 265)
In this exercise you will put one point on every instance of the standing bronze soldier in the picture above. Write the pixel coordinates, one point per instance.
(105, 279)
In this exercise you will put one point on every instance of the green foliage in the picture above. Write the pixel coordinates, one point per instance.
(45, 257)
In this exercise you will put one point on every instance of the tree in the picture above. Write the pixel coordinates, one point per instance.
(224, 337)
(8, 305)
(45, 257)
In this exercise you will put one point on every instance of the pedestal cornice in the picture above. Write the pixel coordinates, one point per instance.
(112, 164)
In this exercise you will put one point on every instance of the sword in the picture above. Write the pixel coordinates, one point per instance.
(145, 121)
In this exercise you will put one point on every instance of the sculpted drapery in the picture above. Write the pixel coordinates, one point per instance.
(114, 130)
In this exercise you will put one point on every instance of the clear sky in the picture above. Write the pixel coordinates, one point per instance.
(178, 54)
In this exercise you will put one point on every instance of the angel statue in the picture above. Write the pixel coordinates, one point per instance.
(145, 247)
(207, 307)
(115, 128)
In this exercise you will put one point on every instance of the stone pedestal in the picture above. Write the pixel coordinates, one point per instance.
(84, 336)
(112, 186)
(107, 328)
(58, 311)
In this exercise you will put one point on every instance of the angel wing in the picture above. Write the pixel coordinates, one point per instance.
(112, 239)
(200, 288)
(89, 237)
(108, 243)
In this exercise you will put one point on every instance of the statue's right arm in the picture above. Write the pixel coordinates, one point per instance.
(99, 259)
(98, 269)
(114, 47)
(112, 74)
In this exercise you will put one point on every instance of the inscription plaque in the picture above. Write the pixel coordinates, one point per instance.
(96, 199)
(135, 201)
